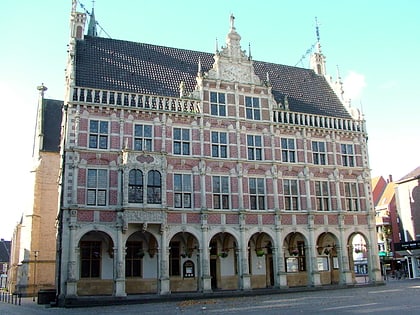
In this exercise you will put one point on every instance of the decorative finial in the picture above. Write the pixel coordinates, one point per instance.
(249, 52)
(318, 38)
(41, 88)
(199, 65)
(232, 22)
(217, 46)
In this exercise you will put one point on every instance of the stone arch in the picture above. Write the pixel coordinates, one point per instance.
(96, 263)
(327, 246)
(358, 245)
(184, 262)
(260, 258)
(141, 263)
(296, 254)
(224, 267)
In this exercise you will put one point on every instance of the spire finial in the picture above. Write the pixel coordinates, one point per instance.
(92, 31)
(318, 38)
(232, 22)
(199, 65)
(249, 51)
(217, 46)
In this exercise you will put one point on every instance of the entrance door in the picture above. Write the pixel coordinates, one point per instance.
(213, 273)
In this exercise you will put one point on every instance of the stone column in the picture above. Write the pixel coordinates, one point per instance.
(314, 275)
(245, 276)
(164, 282)
(119, 263)
(71, 284)
(279, 266)
(205, 256)
(343, 255)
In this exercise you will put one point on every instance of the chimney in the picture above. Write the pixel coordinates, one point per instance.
(390, 178)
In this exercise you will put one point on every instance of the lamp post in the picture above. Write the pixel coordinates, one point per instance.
(36, 252)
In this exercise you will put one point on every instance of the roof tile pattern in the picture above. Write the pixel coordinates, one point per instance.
(111, 64)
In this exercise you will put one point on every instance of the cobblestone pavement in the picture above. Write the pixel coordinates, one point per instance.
(396, 296)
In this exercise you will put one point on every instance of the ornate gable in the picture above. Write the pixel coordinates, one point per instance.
(231, 63)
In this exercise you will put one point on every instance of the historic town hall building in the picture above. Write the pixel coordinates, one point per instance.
(192, 171)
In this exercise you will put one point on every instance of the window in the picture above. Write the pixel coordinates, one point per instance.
(257, 193)
(133, 259)
(350, 191)
(347, 155)
(143, 138)
(319, 153)
(181, 141)
(174, 259)
(90, 259)
(252, 105)
(291, 195)
(98, 134)
(182, 190)
(322, 196)
(220, 192)
(218, 103)
(288, 150)
(219, 144)
(298, 261)
(254, 147)
(135, 186)
(97, 186)
(154, 187)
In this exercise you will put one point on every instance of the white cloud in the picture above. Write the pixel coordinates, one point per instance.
(354, 83)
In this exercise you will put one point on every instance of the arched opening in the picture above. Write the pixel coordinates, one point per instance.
(260, 257)
(184, 261)
(96, 267)
(358, 258)
(224, 262)
(141, 263)
(295, 259)
(327, 259)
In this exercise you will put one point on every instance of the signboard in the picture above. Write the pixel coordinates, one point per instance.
(407, 245)
(382, 254)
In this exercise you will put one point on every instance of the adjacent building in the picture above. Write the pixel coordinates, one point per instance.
(408, 204)
(33, 252)
(187, 171)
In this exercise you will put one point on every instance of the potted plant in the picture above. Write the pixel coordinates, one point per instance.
(260, 252)
(223, 254)
(294, 252)
(357, 250)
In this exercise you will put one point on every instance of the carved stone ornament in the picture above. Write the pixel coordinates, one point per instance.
(144, 216)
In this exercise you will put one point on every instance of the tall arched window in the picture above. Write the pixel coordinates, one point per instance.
(154, 187)
(135, 186)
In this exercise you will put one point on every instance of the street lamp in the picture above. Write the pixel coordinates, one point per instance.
(36, 252)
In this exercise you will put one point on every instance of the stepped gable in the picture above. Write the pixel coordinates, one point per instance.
(125, 66)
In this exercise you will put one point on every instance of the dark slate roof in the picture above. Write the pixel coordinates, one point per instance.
(51, 124)
(4, 251)
(414, 174)
(111, 64)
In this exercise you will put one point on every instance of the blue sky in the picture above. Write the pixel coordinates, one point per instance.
(374, 43)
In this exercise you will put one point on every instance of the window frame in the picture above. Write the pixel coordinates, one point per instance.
(92, 261)
(154, 187)
(319, 156)
(136, 188)
(219, 149)
(95, 189)
(351, 195)
(291, 197)
(98, 138)
(218, 103)
(254, 150)
(253, 107)
(348, 159)
(132, 259)
(184, 191)
(288, 153)
(221, 192)
(143, 137)
(181, 141)
(257, 193)
(323, 198)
